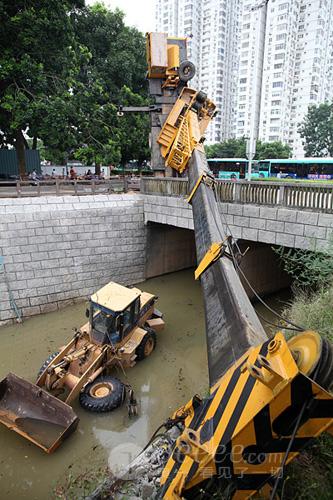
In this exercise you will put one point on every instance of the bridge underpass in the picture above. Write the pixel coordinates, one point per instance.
(171, 249)
(295, 216)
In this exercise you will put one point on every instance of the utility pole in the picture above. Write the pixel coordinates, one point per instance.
(252, 140)
(260, 5)
(250, 154)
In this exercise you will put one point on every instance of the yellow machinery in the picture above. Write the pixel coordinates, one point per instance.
(184, 128)
(258, 417)
(166, 61)
(121, 330)
(265, 404)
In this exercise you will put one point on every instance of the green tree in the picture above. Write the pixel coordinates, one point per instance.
(231, 148)
(272, 150)
(39, 61)
(114, 75)
(236, 148)
(317, 130)
(64, 70)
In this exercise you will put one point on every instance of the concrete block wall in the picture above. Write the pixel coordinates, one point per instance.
(281, 226)
(60, 249)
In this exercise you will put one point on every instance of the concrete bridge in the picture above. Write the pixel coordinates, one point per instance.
(296, 215)
(59, 249)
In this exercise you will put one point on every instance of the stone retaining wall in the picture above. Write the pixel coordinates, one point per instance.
(60, 249)
(273, 225)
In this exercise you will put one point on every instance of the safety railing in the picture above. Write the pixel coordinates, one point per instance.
(165, 186)
(303, 195)
(61, 187)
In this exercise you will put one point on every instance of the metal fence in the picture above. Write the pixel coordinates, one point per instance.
(61, 187)
(304, 195)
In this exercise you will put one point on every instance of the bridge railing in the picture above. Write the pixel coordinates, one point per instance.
(165, 186)
(304, 195)
(61, 187)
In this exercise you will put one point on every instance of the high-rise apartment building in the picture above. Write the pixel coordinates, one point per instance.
(313, 70)
(212, 29)
(286, 64)
(262, 63)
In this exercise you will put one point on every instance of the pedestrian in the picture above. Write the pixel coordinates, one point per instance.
(54, 174)
(72, 174)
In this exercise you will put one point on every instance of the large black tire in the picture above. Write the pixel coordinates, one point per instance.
(46, 363)
(186, 71)
(96, 398)
(147, 345)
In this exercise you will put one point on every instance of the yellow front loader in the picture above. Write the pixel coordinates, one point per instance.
(121, 330)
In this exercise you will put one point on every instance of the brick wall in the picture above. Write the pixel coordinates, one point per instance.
(59, 250)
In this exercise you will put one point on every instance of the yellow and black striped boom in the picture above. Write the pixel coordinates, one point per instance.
(239, 435)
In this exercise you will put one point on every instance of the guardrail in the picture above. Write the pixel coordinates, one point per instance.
(166, 186)
(61, 187)
(304, 195)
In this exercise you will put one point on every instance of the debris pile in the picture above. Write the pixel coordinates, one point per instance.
(141, 479)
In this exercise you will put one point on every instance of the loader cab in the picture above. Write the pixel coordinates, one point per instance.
(114, 311)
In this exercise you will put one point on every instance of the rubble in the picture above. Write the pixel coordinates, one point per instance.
(141, 479)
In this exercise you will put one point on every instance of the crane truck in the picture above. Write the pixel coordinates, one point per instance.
(269, 397)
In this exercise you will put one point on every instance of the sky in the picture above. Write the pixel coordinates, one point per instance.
(139, 13)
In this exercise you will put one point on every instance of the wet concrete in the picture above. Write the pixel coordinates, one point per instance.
(174, 372)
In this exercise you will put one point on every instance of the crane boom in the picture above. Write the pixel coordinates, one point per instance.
(268, 397)
(265, 399)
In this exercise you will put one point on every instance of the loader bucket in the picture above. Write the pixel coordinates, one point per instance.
(34, 413)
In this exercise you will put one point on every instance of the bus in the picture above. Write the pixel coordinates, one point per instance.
(306, 168)
(237, 168)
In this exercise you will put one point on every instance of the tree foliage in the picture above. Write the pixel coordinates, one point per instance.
(114, 75)
(236, 148)
(317, 130)
(64, 69)
(38, 65)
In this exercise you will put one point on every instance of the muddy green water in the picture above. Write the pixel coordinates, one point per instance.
(176, 370)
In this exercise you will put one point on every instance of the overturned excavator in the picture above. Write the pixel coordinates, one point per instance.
(269, 397)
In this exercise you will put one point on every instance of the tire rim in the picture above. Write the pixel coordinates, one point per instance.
(149, 346)
(101, 390)
(306, 349)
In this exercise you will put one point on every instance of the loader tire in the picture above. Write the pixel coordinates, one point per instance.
(146, 346)
(103, 394)
(46, 363)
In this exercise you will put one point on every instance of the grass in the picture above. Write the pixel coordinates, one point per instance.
(80, 486)
(310, 475)
(314, 312)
